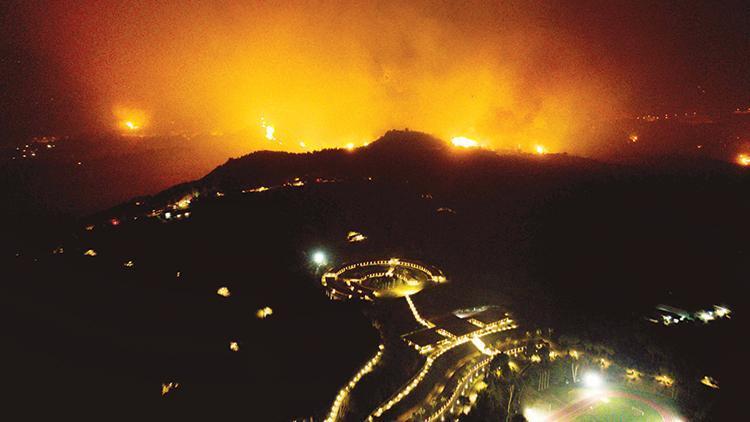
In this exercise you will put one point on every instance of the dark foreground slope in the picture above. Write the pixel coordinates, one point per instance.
(564, 242)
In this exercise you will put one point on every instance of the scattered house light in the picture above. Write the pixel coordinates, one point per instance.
(325, 180)
(669, 320)
(128, 264)
(184, 203)
(58, 250)
(234, 346)
(705, 316)
(166, 388)
(297, 182)
(664, 380)
(632, 375)
(710, 382)
(90, 252)
(352, 237)
(223, 291)
(722, 312)
(114, 222)
(264, 312)
(254, 190)
(446, 210)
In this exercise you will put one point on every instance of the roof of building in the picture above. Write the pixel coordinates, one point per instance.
(490, 315)
(423, 337)
(454, 325)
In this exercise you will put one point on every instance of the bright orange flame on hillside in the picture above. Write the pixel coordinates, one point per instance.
(464, 142)
(330, 74)
(540, 149)
(130, 119)
(268, 130)
(269, 133)
(743, 159)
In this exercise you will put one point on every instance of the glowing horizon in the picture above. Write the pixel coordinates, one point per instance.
(338, 76)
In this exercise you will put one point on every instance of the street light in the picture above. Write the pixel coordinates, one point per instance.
(319, 258)
(592, 380)
(534, 415)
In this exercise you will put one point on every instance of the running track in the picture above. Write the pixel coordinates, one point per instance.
(568, 413)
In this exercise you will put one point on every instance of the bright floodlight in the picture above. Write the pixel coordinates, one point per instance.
(534, 415)
(592, 380)
(319, 258)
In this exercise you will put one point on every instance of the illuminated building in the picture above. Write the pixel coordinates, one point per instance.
(379, 279)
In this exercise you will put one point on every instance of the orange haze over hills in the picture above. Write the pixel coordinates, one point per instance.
(510, 76)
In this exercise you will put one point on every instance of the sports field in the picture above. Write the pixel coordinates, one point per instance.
(606, 405)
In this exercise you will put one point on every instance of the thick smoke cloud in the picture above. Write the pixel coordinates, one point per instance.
(510, 74)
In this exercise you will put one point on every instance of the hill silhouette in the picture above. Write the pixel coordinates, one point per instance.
(398, 156)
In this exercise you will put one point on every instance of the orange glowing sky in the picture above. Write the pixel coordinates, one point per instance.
(510, 75)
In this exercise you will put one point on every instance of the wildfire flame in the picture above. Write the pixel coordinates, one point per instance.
(464, 142)
(130, 119)
(269, 131)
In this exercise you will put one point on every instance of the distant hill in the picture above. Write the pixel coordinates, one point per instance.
(426, 162)
(410, 156)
